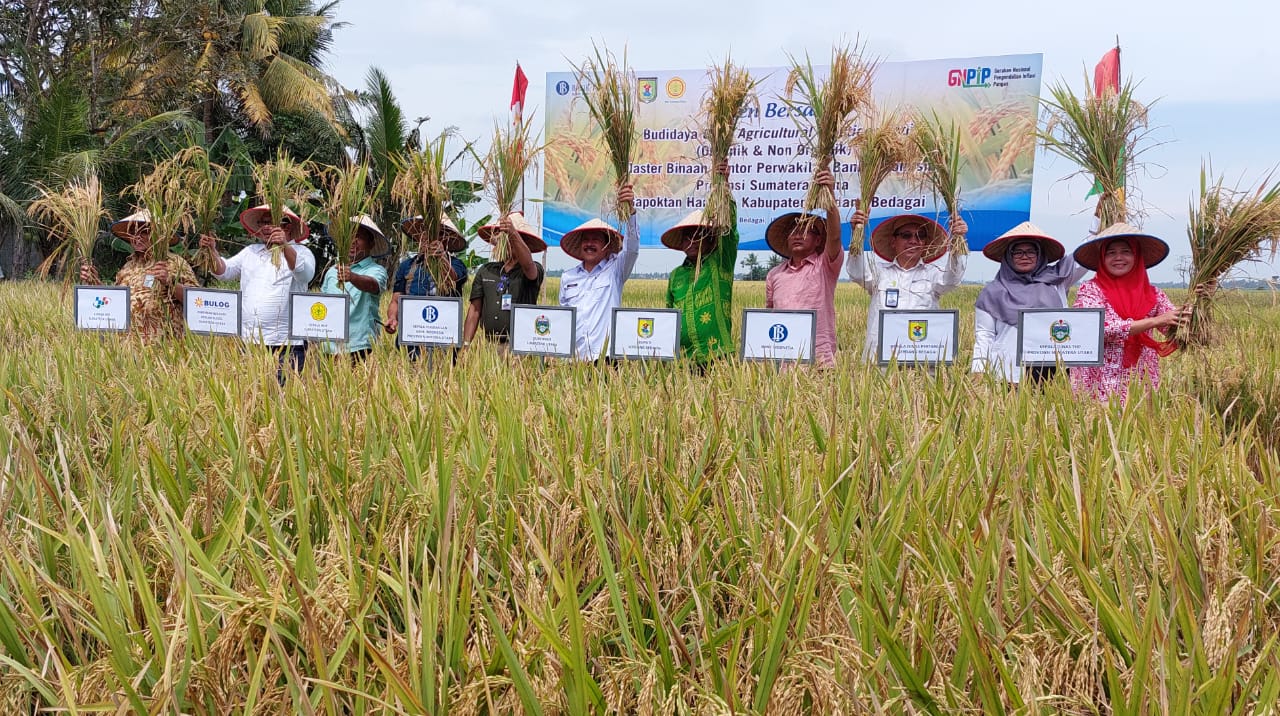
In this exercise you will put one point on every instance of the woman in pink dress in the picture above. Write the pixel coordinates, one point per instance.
(1121, 256)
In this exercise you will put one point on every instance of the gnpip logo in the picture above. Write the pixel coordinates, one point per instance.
(430, 314)
(777, 333)
(100, 301)
(969, 77)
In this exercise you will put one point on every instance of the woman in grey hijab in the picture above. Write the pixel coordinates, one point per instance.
(1033, 274)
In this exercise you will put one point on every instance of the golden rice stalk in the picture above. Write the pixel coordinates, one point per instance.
(884, 146)
(610, 93)
(1226, 226)
(347, 194)
(421, 189)
(512, 153)
(72, 217)
(938, 145)
(164, 193)
(280, 182)
(731, 91)
(1104, 136)
(207, 183)
(825, 110)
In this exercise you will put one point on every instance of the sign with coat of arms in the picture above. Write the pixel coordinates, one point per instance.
(918, 337)
(644, 333)
(543, 330)
(1060, 336)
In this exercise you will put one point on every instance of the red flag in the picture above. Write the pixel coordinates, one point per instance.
(1106, 76)
(518, 91)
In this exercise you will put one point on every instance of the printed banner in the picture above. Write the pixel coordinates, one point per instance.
(102, 308)
(430, 321)
(645, 333)
(918, 337)
(993, 101)
(318, 317)
(543, 330)
(778, 335)
(211, 311)
(1072, 336)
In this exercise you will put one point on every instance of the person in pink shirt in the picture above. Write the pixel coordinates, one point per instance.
(806, 281)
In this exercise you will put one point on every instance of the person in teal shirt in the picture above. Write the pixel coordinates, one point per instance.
(363, 281)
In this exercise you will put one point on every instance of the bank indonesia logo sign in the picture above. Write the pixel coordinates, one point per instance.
(562, 88)
(777, 333)
(430, 314)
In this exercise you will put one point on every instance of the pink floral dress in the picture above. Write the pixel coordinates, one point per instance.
(1111, 378)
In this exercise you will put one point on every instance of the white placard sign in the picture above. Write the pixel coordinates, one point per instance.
(918, 337)
(102, 308)
(211, 311)
(1071, 336)
(318, 317)
(645, 333)
(771, 335)
(543, 330)
(430, 321)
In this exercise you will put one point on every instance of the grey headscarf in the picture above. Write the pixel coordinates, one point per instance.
(1011, 291)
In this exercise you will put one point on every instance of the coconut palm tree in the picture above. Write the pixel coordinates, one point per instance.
(231, 60)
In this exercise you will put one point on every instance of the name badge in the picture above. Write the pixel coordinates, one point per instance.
(506, 302)
(891, 298)
(148, 281)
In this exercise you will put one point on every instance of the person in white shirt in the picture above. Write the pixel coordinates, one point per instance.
(908, 277)
(265, 287)
(1033, 274)
(594, 286)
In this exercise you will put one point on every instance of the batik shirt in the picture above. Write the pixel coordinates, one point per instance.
(154, 312)
(1112, 378)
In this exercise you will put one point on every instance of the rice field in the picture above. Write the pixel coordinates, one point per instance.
(181, 535)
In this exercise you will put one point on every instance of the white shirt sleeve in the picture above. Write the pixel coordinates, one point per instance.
(233, 264)
(984, 334)
(630, 250)
(304, 266)
(954, 273)
(861, 269)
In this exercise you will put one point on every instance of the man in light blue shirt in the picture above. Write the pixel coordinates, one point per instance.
(363, 281)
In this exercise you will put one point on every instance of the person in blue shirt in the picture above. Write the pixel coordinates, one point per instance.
(414, 275)
(363, 280)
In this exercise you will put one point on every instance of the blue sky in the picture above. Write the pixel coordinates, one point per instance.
(1212, 73)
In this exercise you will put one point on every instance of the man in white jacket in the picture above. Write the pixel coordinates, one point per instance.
(908, 274)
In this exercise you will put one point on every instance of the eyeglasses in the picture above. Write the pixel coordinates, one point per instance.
(1024, 253)
(918, 234)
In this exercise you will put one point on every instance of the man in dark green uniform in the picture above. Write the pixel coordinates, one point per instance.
(512, 277)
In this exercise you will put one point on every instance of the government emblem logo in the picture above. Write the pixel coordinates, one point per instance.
(647, 87)
(1060, 331)
(675, 88)
(318, 311)
(542, 325)
(644, 328)
(917, 330)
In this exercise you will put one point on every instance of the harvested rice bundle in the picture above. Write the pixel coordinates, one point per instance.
(72, 217)
(1227, 226)
(825, 110)
(732, 90)
(884, 146)
(609, 89)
